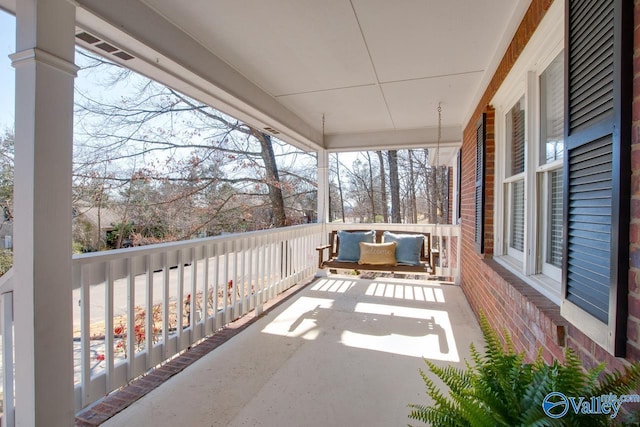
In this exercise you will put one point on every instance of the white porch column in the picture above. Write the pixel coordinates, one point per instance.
(45, 73)
(323, 187)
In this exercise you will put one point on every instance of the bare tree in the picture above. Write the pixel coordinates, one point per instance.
(362, 178)
(394, 184)
(340, 191)
(194, 170)
(6, 175)
(412, 208)
(271, 178)
(383, 187)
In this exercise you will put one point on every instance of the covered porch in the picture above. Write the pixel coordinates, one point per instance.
(142, 315)
(373, 94)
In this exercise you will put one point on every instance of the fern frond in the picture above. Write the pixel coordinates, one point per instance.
(444, 411)
(435, 416)
(476, 413)
(454, 378)
(493, 345)
(531, 403)
(620, 382)
(476, 357)
(570, 377)
(591, 379)
(509, 347)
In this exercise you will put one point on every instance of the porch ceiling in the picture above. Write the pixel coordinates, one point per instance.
(376, 69)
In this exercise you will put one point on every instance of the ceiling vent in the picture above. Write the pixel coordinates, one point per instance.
(123, 55)
(104, 46)
(88, 38)
(271, 130)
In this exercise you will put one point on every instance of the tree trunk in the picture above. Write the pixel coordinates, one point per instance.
(100, 198)
(371, 190)
(340, 187)
(436, 195)
(272, 178)
(99, 232)
(394, 184)
(383, 188)
(412, 206)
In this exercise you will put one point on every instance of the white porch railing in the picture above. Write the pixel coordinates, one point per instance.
(8, 367)
(172, 295)
(141, 306)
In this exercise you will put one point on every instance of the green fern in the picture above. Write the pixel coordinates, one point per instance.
(499, 389)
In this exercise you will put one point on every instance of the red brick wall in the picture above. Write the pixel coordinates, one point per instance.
(531, 319)
(633, 323)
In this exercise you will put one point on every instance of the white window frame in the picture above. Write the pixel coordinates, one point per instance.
(524, 79)
(509, 181)
(543, 174)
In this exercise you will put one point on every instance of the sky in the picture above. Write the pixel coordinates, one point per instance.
(7, 75)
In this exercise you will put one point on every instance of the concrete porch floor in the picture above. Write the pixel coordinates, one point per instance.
(343, 351)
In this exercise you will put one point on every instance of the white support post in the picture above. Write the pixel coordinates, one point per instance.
(323, 187)
(457, 185)
(530, 199)
(45, 72)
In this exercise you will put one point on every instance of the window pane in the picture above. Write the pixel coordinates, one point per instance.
(515, 136)
(552, 111)
(517, 216)
(554, 239)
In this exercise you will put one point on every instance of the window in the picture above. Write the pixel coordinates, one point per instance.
(551, 152)
(554, 218)
(515, 136)
(552, 112)
(516, 238)
(521, 213)
(529, 130)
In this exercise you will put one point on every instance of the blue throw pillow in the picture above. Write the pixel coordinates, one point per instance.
(349, 249)
(408, 249)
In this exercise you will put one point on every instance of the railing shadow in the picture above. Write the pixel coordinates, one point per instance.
(400, 316)
(404, 326)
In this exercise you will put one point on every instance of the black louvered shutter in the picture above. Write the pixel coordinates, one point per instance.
(596, 166)
(479, 186)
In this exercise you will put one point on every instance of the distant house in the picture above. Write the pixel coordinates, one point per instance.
(6, 232)
(91, 224)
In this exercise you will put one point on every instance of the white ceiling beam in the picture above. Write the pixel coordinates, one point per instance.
(451, 136)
